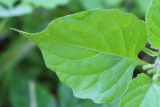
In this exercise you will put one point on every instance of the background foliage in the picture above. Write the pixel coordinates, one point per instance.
(24, 79)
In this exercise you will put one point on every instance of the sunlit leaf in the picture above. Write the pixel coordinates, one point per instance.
(142, 92)
(153, 23)
(86, 49)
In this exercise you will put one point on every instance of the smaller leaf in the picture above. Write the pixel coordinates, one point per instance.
(142, 92)
(153, 23)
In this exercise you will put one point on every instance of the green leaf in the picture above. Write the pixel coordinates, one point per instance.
(94, 52)
(26, 93)
(142, 92)
(153, 23)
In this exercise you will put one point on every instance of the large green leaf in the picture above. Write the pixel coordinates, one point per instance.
(94, 52)
(142, 92)
(153, 23)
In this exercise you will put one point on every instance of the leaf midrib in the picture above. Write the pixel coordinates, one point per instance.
(95, 50)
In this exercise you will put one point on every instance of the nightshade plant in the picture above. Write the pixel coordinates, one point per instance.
(95, 52)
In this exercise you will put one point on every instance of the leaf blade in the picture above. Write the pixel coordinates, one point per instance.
(153, 23)
(142, 93)
(80, 46)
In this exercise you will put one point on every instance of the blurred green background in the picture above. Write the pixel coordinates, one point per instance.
(24, 79)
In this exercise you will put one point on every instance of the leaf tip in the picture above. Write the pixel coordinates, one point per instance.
(21, 32)
(16, 30)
